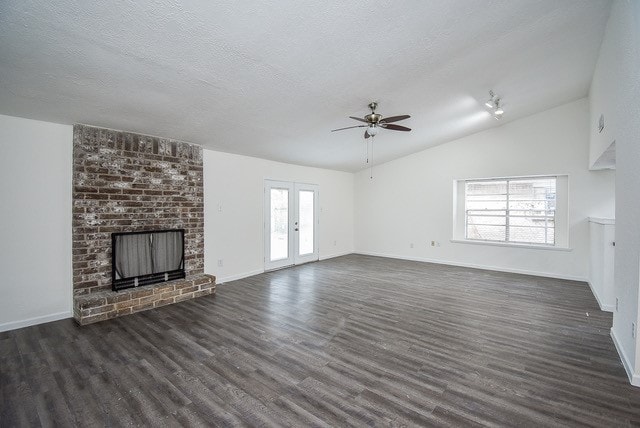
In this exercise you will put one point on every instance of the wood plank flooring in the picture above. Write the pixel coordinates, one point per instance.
(351, 341)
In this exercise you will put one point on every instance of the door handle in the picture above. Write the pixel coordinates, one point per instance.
(296, 229)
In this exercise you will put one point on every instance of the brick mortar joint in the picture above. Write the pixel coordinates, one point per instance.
(92, 316)
(178, 284)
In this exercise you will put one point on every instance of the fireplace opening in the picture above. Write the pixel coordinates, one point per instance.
(142, 258)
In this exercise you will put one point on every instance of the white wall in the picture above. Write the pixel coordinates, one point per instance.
(35, 222)
(602, 233)
(235, 234)
(410, 200)
(606, 82)
(615, 90)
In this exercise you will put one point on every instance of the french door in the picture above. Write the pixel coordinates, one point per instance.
(290, 223)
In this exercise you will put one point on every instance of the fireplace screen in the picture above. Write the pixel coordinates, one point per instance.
(142, 258)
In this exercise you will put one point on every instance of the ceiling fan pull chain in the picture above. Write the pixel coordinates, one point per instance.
(367, 146)
(366, 153)
(371, 164)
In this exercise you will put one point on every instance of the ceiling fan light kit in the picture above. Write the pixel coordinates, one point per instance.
(494, 104)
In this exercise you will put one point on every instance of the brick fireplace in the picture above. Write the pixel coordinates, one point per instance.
(125, 182)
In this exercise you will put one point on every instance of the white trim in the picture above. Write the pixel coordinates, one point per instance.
(334, 255)
(510, 244)
(238, 276)
(476, 266)
(634, 379)
(603, 307)
(13, 325)
(505, 177)
(600, 220)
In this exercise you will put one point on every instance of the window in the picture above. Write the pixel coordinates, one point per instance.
(512, 211)
(520, 210)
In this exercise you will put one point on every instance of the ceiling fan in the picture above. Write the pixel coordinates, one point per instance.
(375, 121)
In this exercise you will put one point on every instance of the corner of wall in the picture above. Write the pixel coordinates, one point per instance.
(634, 377)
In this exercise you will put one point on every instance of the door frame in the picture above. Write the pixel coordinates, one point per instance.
(293, 220)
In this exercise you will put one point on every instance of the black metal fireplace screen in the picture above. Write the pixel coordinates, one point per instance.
(142, 258)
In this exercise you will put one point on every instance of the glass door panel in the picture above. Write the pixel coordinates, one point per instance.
(278, 234)
(279, 224)
(305, 238)
(306, 222)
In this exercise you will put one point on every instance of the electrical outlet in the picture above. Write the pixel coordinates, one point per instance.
(220, 263)
(411, 245)
(335, 243)
(616, 304)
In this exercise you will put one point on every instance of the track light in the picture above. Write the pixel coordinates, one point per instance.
(491, 101)
(494, 104)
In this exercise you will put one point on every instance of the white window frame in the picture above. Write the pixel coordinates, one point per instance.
(561, 226)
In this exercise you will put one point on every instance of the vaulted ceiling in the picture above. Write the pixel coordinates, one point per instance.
(272, 78)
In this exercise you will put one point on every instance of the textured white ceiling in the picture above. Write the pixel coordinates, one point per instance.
(271, 78)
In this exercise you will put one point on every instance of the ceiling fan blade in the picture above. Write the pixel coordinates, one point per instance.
(395, 118)
(349, 127)
(395, 127)
(366, 134)
(358, 118)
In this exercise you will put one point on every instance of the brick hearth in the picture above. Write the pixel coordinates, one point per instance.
(104, 305)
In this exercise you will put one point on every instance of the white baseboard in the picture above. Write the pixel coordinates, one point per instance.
(334, 255)
(229, 278)
(634, 379)
(603, 307)
(13, 325)
(475, 266)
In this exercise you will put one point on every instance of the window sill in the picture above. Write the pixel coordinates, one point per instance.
(511, 244)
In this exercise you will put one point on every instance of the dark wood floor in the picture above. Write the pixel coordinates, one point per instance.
(355, 340)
